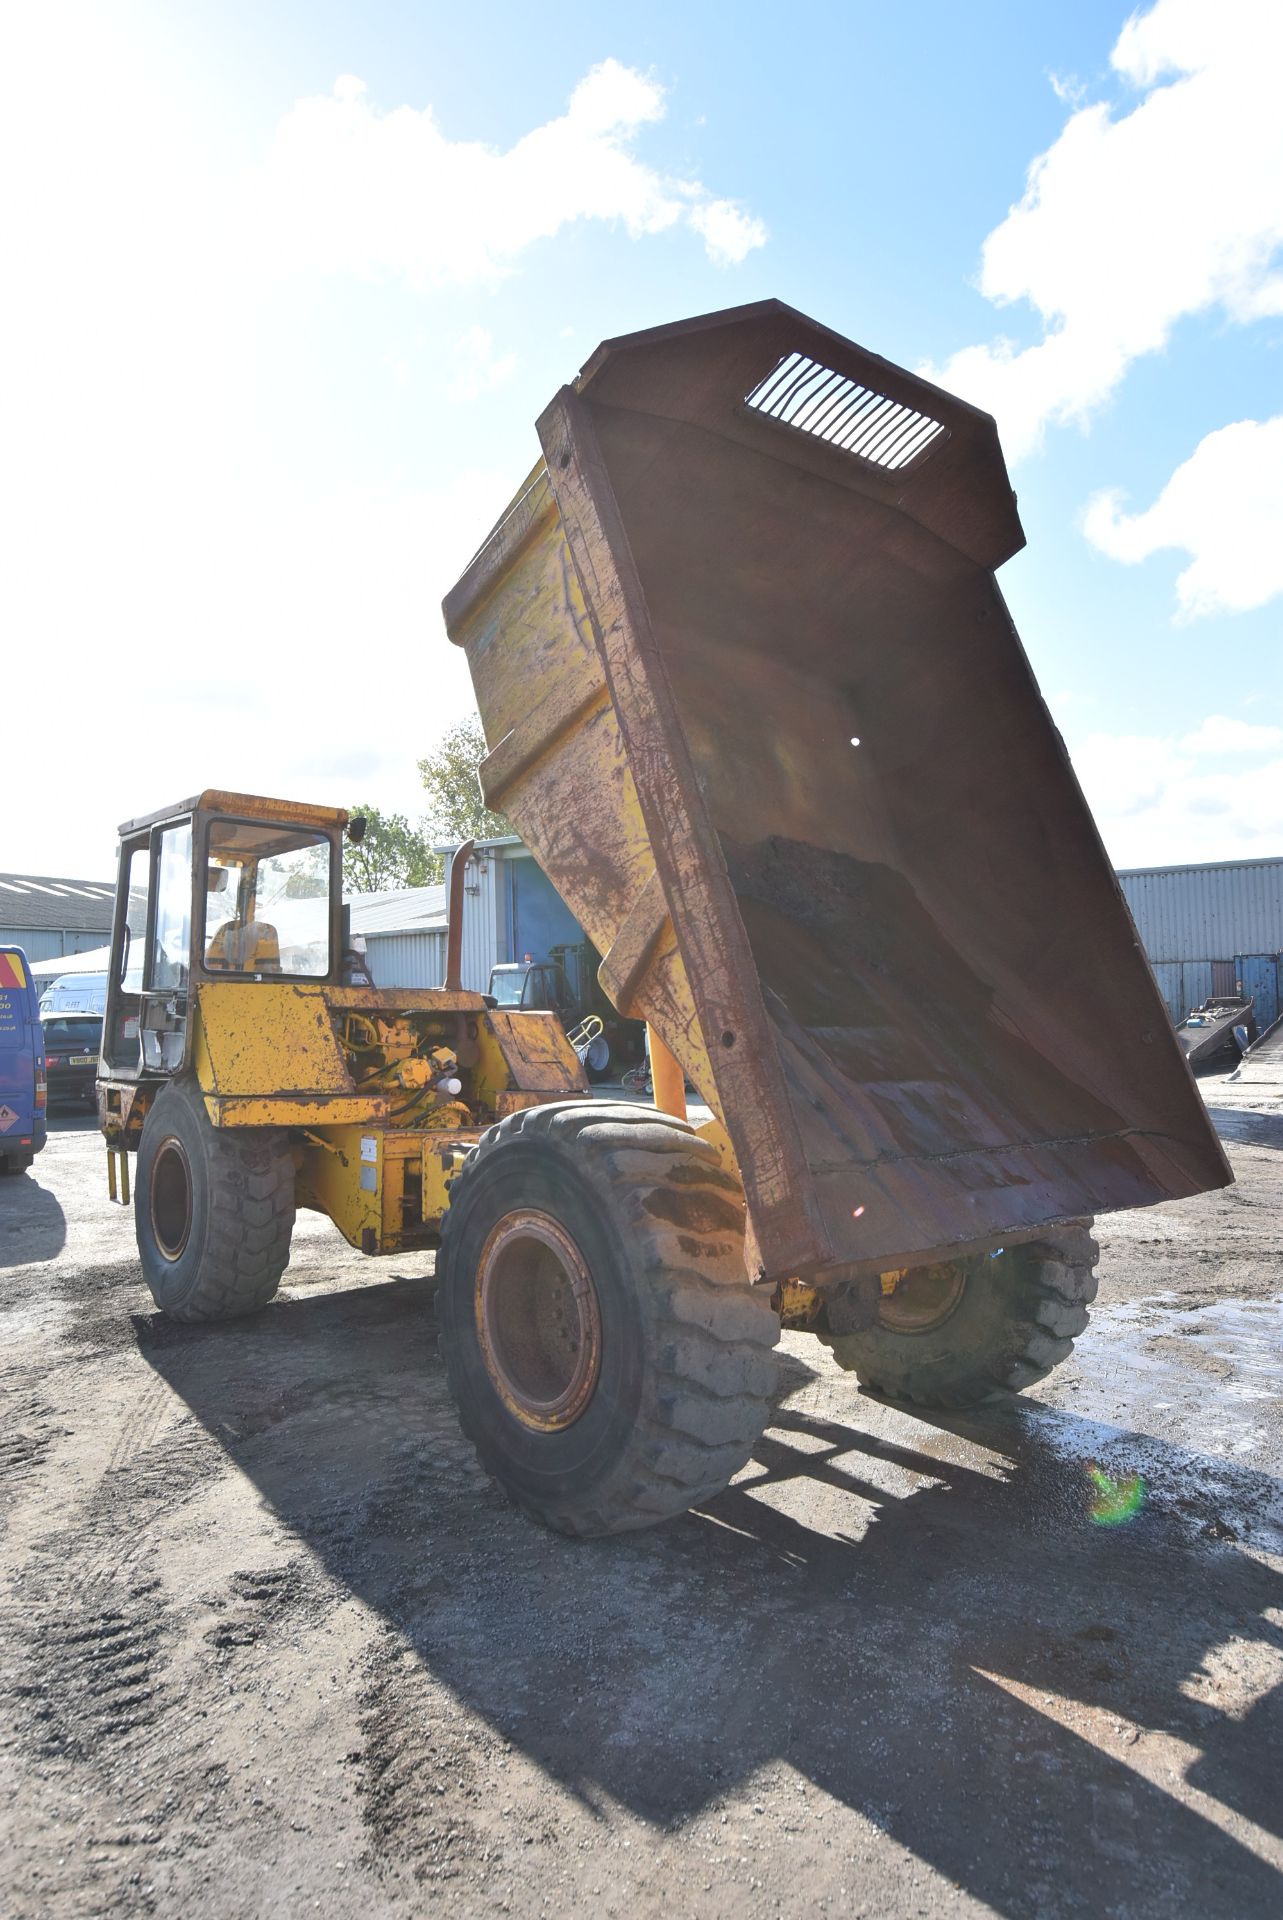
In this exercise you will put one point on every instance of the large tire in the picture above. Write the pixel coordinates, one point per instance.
(621, 1220)
(213, 1208)
(16, 1162)
(1003, 1321)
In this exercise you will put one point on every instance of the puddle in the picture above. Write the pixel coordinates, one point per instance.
(1203, 1377)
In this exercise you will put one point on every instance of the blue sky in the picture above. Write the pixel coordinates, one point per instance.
(290, 284)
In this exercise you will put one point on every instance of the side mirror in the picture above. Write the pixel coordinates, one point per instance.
(356, 829)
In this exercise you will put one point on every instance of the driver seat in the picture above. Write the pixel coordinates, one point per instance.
(253, 948)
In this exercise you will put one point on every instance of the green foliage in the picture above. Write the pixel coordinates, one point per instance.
(395, 854)
(392, 855)
(456, 810)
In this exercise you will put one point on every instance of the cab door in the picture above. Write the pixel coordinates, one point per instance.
(162, 1020)
(145, 1028)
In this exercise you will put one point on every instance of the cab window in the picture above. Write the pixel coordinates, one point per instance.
(506, 985)
(267, 900)
(122, 1036)
(171, 941)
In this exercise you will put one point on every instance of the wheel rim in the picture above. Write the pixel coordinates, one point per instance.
(920, 1299)
(538, 1321)
(171, 1199)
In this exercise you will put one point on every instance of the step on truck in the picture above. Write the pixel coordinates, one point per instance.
(753, 699)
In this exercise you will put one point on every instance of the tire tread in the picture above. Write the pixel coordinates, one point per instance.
(708, 1392)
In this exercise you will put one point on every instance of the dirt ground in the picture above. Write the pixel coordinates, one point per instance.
(273, 1645)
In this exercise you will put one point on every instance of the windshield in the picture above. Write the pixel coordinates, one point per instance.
(267, 899)
(506, 984)
(84, 1035)
(71, 985)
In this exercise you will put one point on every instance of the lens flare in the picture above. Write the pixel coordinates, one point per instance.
(1117, 1500)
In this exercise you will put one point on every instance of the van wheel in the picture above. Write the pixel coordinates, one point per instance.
(213, 1209)
(608, 1357)
(966, 1331)
(17, 1162)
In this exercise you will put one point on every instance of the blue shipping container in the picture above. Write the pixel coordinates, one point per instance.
(1259, 973)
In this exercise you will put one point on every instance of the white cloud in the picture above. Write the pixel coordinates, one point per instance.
(480, 369)
(183, 547)
(1223, 507)
(1069, 88)
(1131, 222)
(729, 233)
(1155, 805)
(347, 187)
(1221, 735)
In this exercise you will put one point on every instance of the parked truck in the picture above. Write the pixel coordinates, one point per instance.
(753, 699)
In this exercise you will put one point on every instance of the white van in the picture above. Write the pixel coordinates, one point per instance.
(75, 993)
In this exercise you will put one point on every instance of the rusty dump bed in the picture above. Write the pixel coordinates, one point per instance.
(900, 970)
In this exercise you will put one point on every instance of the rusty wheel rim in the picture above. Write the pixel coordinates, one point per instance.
(538, 1321)
(921, 1299)
(170, 1201)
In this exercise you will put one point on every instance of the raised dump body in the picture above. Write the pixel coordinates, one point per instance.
(755, 702)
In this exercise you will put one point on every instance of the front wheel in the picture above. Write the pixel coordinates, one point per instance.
(966, 1331)
(213, 1209)
(609, 1359)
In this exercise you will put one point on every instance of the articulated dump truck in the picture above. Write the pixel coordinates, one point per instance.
(753, 699)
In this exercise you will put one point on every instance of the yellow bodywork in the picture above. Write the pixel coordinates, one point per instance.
(542, 689)
(382, 1092)
(375, 1146)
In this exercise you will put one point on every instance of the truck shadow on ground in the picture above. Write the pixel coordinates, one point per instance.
(33, 1226)
(1252, 1129)
(936, 1635)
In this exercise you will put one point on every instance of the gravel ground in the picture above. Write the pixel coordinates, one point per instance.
(273, 1645)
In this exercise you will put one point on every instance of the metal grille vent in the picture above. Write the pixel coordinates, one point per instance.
(804, 394)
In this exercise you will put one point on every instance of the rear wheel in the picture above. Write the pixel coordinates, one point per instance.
(610, 1362)
(966, 1331)
(16, 1162)
(213, 1208)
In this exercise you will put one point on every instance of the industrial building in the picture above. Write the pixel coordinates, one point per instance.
(510, 909)
(1211, 929)
(48, 917)
(1206, 929)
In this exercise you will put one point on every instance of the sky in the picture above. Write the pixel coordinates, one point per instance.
(288, 285)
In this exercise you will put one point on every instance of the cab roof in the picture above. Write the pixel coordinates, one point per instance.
(254, 806)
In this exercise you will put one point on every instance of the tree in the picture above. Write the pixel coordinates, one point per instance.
(456, 810)
(392, 854)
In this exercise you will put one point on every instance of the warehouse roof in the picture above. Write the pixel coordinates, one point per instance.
(38, 900)
(410, 910)
(1203, 866)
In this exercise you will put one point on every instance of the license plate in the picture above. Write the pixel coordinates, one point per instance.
(83, 1060)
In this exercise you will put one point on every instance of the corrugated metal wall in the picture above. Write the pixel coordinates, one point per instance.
(1184, 984)
(1207, 913)
(49, 943)
(406, 959)
(417, 957)
(480, 920)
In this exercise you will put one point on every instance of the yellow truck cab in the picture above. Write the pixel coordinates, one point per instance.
(250, 1080)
